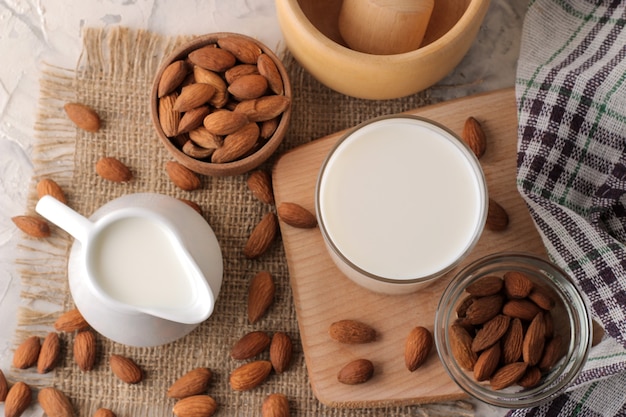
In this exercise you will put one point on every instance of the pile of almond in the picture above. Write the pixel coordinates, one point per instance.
(504, 332)
(222, 101)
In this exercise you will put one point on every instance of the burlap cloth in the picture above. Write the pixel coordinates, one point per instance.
(114, 76)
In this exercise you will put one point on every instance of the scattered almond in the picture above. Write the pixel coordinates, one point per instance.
(260, 295)
(417, 347)
(49, 353)
(356, 372)
(261, 237)
(351, 332)
(275, 405)
(17, 400)
(104, 412)
(193, 205)
(85, 350)
(517, 284)
(113, 169)
(497, 217)
(47, 186)
(260, 184)
(250, 345)
(55, 403)
(83, 116)
(508, 375)
(32, 226)
(172, 77)
(250, 375)
(71, 321)
(4, 387)
(182, 176)
(125, 369)
(194, 382)
(281, 351)
(27, 353)
(474, 136)
(195, 406)
(296, 216)
(598, 332)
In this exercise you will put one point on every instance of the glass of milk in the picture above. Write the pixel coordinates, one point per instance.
(400, 201)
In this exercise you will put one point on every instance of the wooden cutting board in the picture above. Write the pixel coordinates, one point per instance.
(322, 294)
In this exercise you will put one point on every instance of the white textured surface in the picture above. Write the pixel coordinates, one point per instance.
(36, 31)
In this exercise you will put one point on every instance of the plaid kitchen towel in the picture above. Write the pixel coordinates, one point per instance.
(571, 96)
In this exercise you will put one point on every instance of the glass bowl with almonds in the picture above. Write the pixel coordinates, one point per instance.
(221, 103)
(512, 330)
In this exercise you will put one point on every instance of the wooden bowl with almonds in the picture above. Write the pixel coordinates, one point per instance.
(221, 104)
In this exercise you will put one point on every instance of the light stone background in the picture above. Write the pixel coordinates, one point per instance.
(37, 31)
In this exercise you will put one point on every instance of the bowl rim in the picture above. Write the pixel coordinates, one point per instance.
(474, 9)
(239, 166)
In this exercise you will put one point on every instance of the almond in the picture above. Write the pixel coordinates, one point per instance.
(268, 127)
(4, 387)
(260, 295)
(192, 96)
(32, 226)
(250, 375)
(113, 169)
(512, 342)
(461, 347)
(49, 353)
(202, 137)
(417, 347)
(71, 321)
(193, 205)
(182, 176)
(296, 216)
(125, 369)
(83, 116)
(243, 49)
(281, 351)
(85, 350)
(461, 308)
(491, 332)
(507, 375)
(268, 69)
(548, 324)
(261, 237)
(598, 332)
(260, 184)
(351, 332)
(474, 136)
(212, 58)
(275, 405)
(195, 406)
(250, 345)
(534, 341)
(220, 97)
(523, 309)
(54, 403)
(104, 412)
(172, 77)
(190, 148)
(531, 377)
(192, 119)
(552, 353)
(47, 186)
(263, 108)
(517, 284)
(487, 362)
(225, 122)
(540, 297)
(237, 144)
(497, 217)
(18, 399)
(27, 352)
(248, 87)
(355, 372)
(239, 71)
(194, 382)
(169, 119)
(484, 309)
(487, 285)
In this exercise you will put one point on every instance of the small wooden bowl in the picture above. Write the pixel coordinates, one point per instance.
(246, 163)
(310, 29)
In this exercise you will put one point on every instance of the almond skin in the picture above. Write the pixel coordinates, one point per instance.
(351, 332)
(261, 237)
(356, 372)
(474, 136)
(125, 369)
(212, 58)
(275, 405)
(194, 382)
(491, 332)
(27, 353)
(250, 345)
(243, 49)
(49, 353)
(484, 286)
(113, 169)
(461, 347)
(417, 347)
(4, 386)
(195, 406)
(237, 144)
(192, 119)
(248, 87)
(85, 350)
(523, 309)
(169, 119)
(260, 295)
(268, 69)
(104, 412)
(281, 351)
(534, 341)
(55, 403)
(531, 377)
(551, 354)
(221, 96)
(239, 71)
(83, 116)
(497, 217)
(71, 321)
(263, 108)
(260, 184)
(250, 375)
(192, 96)
(517, 284)
(224, 122)
(32, 226)
(172, 77)
(296, 216)
(182, 176)
(47, 186)
(484, 309)
(542, 299)
(512, 342)
(487, 362)
(507, 375)
(18, 399)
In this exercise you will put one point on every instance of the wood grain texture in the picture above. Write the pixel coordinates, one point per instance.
(323, 295)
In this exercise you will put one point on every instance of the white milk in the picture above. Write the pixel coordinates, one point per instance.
(400, 199)
(135, 262)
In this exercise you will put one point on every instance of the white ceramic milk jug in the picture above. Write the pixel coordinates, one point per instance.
(145, 269)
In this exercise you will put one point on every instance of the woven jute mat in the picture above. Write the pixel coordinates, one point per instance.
(114, 76)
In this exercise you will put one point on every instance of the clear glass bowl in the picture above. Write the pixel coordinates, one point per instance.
(571, 317)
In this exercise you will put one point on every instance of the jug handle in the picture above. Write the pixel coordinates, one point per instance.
(63, 216)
